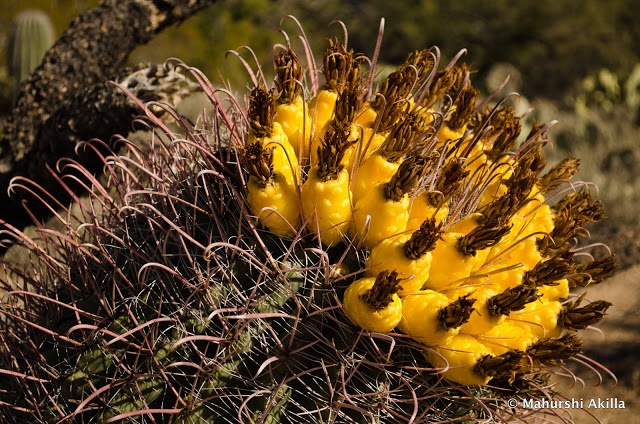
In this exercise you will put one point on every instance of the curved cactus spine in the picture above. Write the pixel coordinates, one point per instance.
(171, 303)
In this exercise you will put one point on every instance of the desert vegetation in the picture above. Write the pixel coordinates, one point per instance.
(186, 271)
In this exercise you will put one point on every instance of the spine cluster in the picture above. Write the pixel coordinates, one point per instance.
(465, 253)
(345, 252)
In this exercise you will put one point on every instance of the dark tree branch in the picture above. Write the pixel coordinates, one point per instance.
(67, 100)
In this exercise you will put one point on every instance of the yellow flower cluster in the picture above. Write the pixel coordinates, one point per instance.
(464, 254)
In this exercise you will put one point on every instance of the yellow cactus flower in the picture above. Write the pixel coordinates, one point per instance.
(507, 336)
(292, 112)
(296, 124)
(371, 173)
(270, 196)
(493, 307)
(469, 362)
(270, 134)
(432, 318)
(384, 211)
(539, 318)
(435, 200)
(321, 111)
(422, 209)
(408, 255)
(557, 290)
(325, 196)
(373, 304)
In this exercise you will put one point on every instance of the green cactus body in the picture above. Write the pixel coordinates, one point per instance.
(31, 36)
(172, 303)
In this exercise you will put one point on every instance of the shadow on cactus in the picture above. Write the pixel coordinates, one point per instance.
(348, 251)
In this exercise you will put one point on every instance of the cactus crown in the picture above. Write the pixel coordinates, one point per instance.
(208, 278)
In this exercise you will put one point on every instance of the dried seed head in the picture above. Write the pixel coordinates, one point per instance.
(456, 314)
(482, 237)
(562, 171)
(258, 161)
(449, 79)
(330, 153)
(581, 206)
(403, 136)
(572, 213)
(549, 271)
(262, 108)
(572, 317)
(347, 106)
(593, 272)
(499, 210)
(512, 299)
(465, 107)
(381, 294)
(388, 118)
(392, 103)
(422, 61)
(340, 67)
(288, 75)
(520, 184)
(406, 178)
(423, 240)
(502, 366)
(448, 181)
(503, 133)
(393, 89)
(553, 352)
(532, 160)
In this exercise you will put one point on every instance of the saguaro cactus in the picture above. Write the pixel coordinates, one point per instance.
(31, 35)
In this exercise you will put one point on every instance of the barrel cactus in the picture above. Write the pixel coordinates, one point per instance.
(348, 251)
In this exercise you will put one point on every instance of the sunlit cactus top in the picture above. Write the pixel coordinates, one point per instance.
(470, 245)
(328, 246)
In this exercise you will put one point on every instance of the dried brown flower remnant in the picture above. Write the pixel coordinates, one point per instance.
(288, 75)
(512, 299)
(574, 317)
(261, 110)
(457, 313)
(553, 352)
(386, 285)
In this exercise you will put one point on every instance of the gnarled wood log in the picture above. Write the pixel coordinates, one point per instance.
(66, 100)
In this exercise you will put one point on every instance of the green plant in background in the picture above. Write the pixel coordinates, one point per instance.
(31, 36)
(599, 124)
(632, 89)
(327, 251)
(600, 91)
